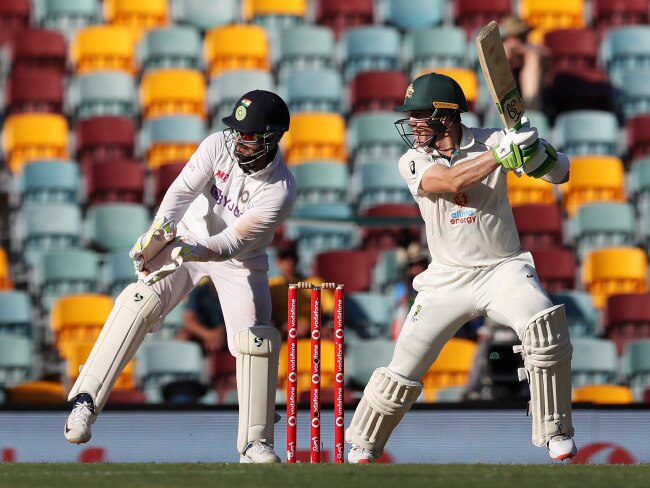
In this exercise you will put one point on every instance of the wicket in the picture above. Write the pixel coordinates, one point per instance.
(292, 373)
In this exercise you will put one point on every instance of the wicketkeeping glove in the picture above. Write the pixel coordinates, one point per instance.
(169, 259)
(517, 146)
(149, 244)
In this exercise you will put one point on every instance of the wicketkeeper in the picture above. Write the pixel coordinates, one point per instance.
(216, 220)
(457, 175)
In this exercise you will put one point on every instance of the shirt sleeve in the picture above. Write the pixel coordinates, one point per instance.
(412, 167)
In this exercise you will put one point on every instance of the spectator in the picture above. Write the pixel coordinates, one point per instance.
(203, 320)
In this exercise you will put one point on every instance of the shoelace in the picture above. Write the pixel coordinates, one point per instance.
(81, 413)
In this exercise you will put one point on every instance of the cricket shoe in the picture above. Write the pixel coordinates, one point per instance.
(77, 427)
(259, 452)
(561, 447)
(359, 455)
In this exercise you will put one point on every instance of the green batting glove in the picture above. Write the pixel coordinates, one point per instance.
(512, 156)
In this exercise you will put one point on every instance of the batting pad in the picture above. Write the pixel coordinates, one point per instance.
(135, 311)
(386, 398)
(258, 351)
(546, 349)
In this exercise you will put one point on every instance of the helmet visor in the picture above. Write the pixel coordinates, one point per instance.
(249, 149)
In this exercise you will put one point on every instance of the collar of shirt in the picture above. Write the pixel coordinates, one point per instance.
(466, 141)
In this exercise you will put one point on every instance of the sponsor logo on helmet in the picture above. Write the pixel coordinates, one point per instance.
(240, 113)
(409, 91)
(453, 106)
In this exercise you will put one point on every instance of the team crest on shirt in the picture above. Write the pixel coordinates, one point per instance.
(461, 199)
(462, 216)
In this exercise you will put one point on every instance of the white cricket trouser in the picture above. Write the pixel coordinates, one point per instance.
(509, 292)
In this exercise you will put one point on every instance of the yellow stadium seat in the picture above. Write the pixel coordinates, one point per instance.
(315, 135)
(553, 14)
(614, 270)
(304, 365)
(451, 368)
(593, 179)
(466, 78)
(254, 8)
(529, 191)
(37, 392)
(79, 353)
(78, 318)
(5, 274)
(236, 47)
(103, 48)
(29, 136)
(136, 15)
(172, 92)
(603, 394)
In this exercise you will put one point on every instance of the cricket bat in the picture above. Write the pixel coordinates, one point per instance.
(498, 75)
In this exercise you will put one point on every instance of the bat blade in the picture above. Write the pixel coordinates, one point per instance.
(498, 75)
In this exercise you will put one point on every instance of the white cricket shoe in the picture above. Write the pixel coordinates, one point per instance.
(77, 427)
(561, 447)
(259, 452)
(359, 455)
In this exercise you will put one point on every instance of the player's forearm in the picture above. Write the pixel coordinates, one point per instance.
(460, 176)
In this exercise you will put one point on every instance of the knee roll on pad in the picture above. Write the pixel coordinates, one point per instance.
(258, 351)
(546, 349)
(386, 398)
(135, 311)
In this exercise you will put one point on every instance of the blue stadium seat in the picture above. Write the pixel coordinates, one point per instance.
(372, 135)
(102, 93)
(362, 357)
(322, 190)
(119, 272)
(67, 16)
(367, 314)
(170, 47)
(204, 14)
(433, 48)
(370, 48)
(625, 47)
(635, 364)
(173, 322)
(633, 92)
(639, 184)
(415, 14)
(181, 134)
(387, 271)
(594, 361)
(319, 90)
(583, 132)
(54, 181)
(16, 317)
(16, 360)
(378, 183)
(304, 47)
(115, 227)
(582, 316)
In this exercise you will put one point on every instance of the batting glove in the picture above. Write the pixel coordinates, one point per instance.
(162, 231)
(180, 250)
(517, 146)
(541, 162)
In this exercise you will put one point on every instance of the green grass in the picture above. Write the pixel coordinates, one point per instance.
(113, 475)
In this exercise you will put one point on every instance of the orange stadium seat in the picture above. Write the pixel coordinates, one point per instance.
(136, 15)
(5, 272)
(314, 135)
(173, 92)
(451, 368)
(466, 78)
(274, 13)
(529, 191)
(30, 136)
(78, 318)
(303, 365)
(545, 15)
(593, 178)
(236, 46)
(37, 392)
(613, 271)
(603, 394)
(103, 47)
(78, 355)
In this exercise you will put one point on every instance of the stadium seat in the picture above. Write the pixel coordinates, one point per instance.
(636, 366)
(386, 226)
(363, 356)
(553, 14)
(104, 139)
(441, 47)
(339, 16)
(236, 46)
(627, 318)
(225, 89)
(304, 47)
(348, 266)
(624, 48)
(372, 135)
(607, 394)
(415, 14)
(556, 268)
(377, 90)
(378, 183)
(370, 48)
(275, 15)
(472, 15)
(53, 181)
(34, 90)
(37, 393)
(67, 16)
(222, 368)
(465, 77)
(39, 48)
(47, 227)
(68, 272)
(594, 361)
(163, 176)
(606, 14)
(115, 227)
(633, 93)
(16, 360)
(587, 132)
(16, 316)
(529, 191)
(603, 224)
(638, 136)
(580, 89)
(119, 272)
(317, 90)
(539, 225)
(322, 190)
(582, 316)
(6, 282)
(177, 47)
(593, 178)
(136, 16)
(638, 179)
(303, 365)
(387, 271)
(170, 139)
(612, 271)
(571, 49)
(115, 181)
(103, 48)
(14, 15)
(102, 93)
(122, 396)
(315, 135)
(204, 14)
(367, 314)
(451, 368)
(31, 136)
(170, 92)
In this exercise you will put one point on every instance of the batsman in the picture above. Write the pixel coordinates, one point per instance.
(457, 176)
